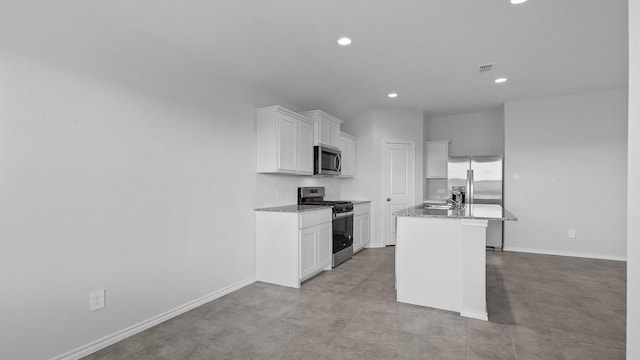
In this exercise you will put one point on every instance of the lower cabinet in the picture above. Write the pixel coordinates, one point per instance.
(315, 249)
(325, 245)
(292, 247)
(361, 226)
(309, 254)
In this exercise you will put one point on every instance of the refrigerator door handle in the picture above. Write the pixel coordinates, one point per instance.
(469, 195)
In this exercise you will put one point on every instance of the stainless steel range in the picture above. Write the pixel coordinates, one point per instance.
(342, 221)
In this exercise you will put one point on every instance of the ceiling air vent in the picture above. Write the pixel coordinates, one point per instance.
(486, 68)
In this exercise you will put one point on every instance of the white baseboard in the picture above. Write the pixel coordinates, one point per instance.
(102, 343)
(474, 315)
(565, 253)
(374, 245)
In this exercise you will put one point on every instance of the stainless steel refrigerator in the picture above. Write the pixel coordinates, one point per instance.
(482, 177)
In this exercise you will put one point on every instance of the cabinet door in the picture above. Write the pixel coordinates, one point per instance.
(342, 145)
(365, 229)
(357, 232)
(305, 148)
(351, 158)
(324, 130)
(308, 252)
(335, 134)
(325, 245)
(287, 143)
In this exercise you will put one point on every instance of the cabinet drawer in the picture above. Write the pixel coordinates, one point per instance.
(361, 208)
(308, 219)
(315, 217)
(325, 216)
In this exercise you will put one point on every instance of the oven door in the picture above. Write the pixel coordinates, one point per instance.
(342, 231)
(327, 160)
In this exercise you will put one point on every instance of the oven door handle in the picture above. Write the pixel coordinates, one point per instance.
(341, 215)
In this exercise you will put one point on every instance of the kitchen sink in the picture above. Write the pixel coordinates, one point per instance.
(437, 206)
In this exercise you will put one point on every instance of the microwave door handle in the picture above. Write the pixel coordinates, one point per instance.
(337, 162)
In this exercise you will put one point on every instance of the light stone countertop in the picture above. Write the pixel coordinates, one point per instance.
(294, 208)
(356, 202)
(305, 208)
(476, 211)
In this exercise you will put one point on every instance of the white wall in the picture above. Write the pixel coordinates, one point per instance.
(478, 133)
(633, 213)
(370, 129)
(570, 153)
(104, 186)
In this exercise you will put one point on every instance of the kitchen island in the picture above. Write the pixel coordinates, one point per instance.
(441, 256)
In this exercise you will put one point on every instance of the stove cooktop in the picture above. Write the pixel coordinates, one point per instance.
(314, 195)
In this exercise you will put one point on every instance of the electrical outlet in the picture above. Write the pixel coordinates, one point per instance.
(96, 300)
(516, 176)
(279, 194)
(441, 191)
(572, 233)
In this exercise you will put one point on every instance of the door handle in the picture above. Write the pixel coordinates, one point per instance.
(388, 199)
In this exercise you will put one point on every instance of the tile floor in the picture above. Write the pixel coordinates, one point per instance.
(540, 307)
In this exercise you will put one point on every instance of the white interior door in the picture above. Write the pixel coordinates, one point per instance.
(399, 183)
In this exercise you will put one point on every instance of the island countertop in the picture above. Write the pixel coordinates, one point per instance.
(475, 211)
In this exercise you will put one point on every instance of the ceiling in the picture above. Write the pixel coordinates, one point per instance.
(428, 51)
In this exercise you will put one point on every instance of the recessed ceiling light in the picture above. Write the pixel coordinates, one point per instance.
(344, 41)
(501, 80)
(392, 95)
(517, 2)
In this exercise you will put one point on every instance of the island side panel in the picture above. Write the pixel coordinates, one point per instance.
(277, 248)
(428, 256)
(474, 258)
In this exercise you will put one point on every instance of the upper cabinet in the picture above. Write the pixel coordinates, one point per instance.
(437, 159)
(285, 141)
(348, 150)
(327, 128)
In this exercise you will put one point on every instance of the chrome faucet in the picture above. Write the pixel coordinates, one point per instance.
(456, 203)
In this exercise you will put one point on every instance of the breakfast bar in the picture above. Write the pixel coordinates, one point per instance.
(441, 256)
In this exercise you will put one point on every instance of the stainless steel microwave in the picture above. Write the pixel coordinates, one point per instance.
(327, 160)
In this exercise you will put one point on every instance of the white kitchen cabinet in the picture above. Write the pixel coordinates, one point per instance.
(326, 128)
(292, 247)
(287, 141)
(437, 159)
(348, 155)
(305, 148)
(308, 252)
(361, 226)
(284, 141)
(335, 131)
(325, 245)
